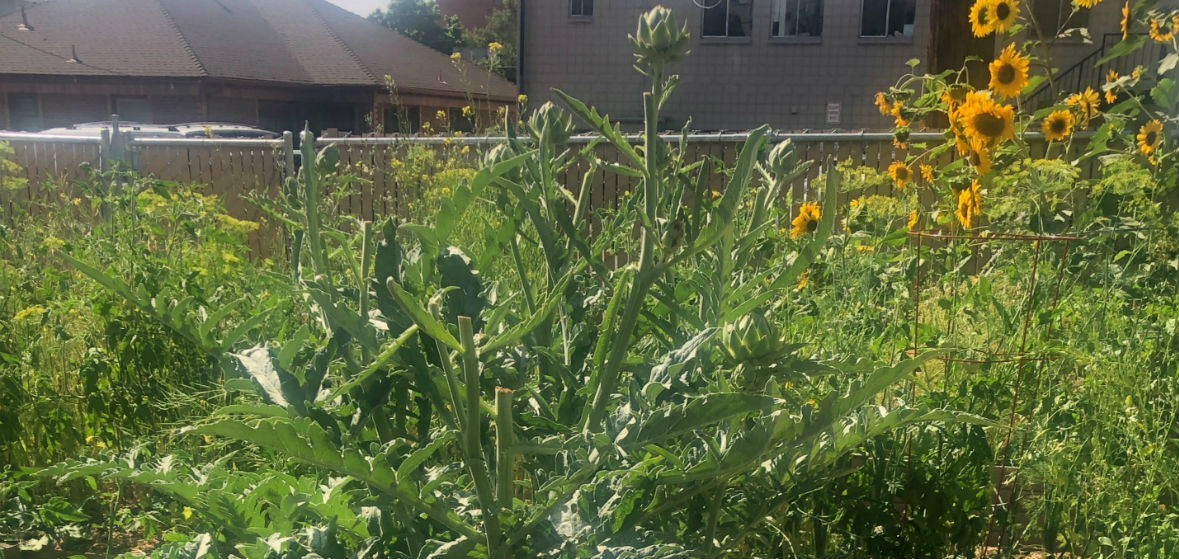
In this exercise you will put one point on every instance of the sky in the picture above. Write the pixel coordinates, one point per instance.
(362, 7)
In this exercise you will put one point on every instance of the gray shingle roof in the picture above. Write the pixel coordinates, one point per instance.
(304, 42)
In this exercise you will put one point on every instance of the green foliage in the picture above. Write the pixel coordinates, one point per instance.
(511, 371)
(635, 416)
(421, 21)
(10, 171)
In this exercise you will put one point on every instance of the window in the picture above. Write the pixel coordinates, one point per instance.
(888, 18)
(133, 109)
(1053, 16)
(797, 18)
(24, 112)
(727, 18)
(581, 8)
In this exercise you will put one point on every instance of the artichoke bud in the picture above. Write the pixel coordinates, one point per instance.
(657, 41)
(783, 159)
(500, 152)
(752, 339)
(551, 125)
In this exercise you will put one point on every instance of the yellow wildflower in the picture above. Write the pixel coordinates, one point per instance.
(1087, 103)
(1125, 20)
(1159, 35)
(980, 18)
(1009, 72)
(984, 121)
(1004, 14)
(969, 201)
(1150, 136)
(900, 173)
(1058, 126)
(806, 221)
(521, 98)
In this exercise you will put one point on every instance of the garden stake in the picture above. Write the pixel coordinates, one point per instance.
(1019, 370)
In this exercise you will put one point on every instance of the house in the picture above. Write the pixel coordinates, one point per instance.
(269, 63)
(794, 64)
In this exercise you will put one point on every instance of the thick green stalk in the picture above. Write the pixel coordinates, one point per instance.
(311, 203)
(505, 439)
(472, 444)
(366, 229)
(644, 278)
(525, 284)
(456, 400)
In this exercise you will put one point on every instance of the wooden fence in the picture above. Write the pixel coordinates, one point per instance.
(387, 183)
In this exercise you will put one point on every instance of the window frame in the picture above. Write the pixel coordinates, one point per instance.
(795, 37)
(902, 38)
(581, 14)
(728, 37)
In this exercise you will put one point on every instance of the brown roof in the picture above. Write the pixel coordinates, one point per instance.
(302, 42)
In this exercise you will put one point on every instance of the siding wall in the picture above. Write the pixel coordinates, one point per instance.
(727, 83)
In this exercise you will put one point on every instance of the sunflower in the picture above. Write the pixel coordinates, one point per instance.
(807, 220)
(969, 201)
(1009, 72)
(900, 173)
(980, 18)
(1087, 103)
(1110, 78)
(1004, 14)
(927, 173)
(1150, 136)
(1160, 36)
(1125, 20)
(882, 103)
(1058, 126)
(912, 224)
(1087, 4)
(980, 157)
(985, 122)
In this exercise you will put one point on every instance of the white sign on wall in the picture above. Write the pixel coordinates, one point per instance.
(833, 113)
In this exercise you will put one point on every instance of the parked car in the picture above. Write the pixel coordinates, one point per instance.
(186, 130)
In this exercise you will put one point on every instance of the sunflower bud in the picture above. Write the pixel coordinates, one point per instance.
(902, 134)
(551, 125)
(658, 42)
